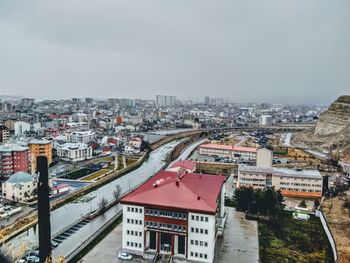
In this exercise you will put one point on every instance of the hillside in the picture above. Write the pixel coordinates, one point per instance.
(336, 119)
(332, 130)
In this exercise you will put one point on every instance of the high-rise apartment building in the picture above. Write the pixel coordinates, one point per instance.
(39, 148)
(163, 100)
(13, 158)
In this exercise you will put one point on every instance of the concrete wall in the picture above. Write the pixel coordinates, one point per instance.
(328, 233)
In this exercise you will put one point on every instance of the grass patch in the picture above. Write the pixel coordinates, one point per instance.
(95, 175)
(289, 240)
(79, 173)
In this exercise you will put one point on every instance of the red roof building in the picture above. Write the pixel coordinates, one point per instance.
(174, 213)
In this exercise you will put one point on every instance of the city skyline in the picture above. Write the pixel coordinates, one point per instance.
(273, 52)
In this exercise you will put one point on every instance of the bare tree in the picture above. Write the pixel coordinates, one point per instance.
(103, 203)
(117, 191)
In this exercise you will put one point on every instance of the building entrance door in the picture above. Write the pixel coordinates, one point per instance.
(152, 240)
(181, 245)
(165, 242)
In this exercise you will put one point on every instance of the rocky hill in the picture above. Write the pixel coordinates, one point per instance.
(332, 130)
(336, 119)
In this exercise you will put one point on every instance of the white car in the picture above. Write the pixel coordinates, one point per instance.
(124, 256)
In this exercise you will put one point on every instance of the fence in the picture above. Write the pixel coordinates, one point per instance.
(328, 233)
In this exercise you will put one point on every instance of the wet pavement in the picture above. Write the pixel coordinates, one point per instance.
(240, 243)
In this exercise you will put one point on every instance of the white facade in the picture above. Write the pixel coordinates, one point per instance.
(201, 237)
(82, 136)
(298, 183)
(19, 188)
(265, 120)
(264, 158)
(74, 152)
(21, 127)
(133, 228)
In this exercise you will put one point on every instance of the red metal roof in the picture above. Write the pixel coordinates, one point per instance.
(187, 164)
(194, 192)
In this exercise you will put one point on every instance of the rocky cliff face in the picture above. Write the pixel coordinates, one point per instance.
(336, 119)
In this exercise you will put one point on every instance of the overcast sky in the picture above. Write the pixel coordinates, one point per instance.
(293, 51)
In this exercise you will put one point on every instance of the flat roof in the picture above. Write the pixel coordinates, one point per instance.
(282, 172)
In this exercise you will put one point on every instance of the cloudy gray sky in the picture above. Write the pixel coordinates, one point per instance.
(249, 50)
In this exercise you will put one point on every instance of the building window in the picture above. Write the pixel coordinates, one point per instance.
(201, 231)
(140, 210)
(206, 219)
(127, 232)
(197, 230)
(192, 241)
(206, 232)
(128, 220)
(191, 254)
(192, 229)
(127, 243)
(140, 245)
(202, 218)
(205, 256)
(136, 210)
(205, 244)
(192, 217)
(132, 209)
(196, 242)
(197, 218)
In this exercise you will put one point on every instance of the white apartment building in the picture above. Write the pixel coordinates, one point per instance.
(291, 182)
(248, 153)
(21, 127)
(175, 214)
(74, 152)
(82, 136)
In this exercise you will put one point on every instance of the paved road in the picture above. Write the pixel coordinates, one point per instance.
(240, 243)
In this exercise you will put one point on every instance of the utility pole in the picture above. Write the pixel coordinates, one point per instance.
(44, 211)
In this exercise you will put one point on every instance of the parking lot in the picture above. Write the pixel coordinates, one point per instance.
(240, 242)
(107, 250)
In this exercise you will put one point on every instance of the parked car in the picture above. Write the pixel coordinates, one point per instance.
(54, 244)
(32, 259)
(124, 256)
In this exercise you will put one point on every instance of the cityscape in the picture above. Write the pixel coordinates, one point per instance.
(174, 132)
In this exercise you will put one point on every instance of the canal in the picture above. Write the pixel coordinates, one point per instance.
(71, 212)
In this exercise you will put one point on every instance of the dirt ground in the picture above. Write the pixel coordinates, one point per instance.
(338, 219)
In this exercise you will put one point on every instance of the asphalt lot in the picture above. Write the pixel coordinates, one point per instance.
(240, 243)
(106, 251)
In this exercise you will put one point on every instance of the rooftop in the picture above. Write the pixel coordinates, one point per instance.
(170, 190)
(20, 177)
(190, 165)
(37, 141)
(12, 148)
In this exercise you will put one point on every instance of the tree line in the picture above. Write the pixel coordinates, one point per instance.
(267, 202)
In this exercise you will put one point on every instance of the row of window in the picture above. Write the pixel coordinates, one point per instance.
(134, 209)
(134, 221)
(134, 233)
(133, 244)
(199, 230)
(200, 218)
(172, 227)
(302, 179)
(199, 243)
(300, 189)
(163, 213)
(298, 184)
(199, 255)
(252, 179)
